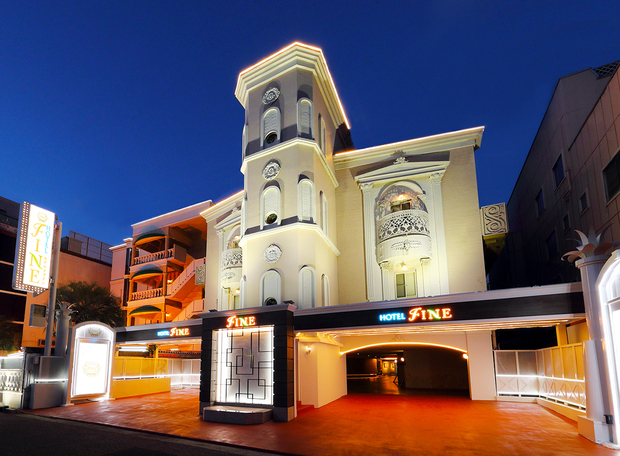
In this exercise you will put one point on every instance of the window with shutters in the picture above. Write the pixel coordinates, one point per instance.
(323, 139)
(270, 127)
(305, 201)
(406, 285)
(325, 290)
(270, 207)
(304, 118)
(242, 293)
(324, 214)
(270, 288)
(307, 288)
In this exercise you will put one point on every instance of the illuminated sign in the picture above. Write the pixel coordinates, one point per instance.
(33, 255)
(240, 322)
(418, 314)
(92, 348)
(174, 332)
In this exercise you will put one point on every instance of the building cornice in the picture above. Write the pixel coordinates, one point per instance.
(294, 56)
(292, 227)
(184, 214)
(302, 142)
(223, 206)
(471, 137)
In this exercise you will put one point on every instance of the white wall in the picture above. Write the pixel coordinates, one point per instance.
(481, 366)
(322, 373)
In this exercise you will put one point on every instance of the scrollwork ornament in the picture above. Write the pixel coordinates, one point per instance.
(271, 95)
(272, 253)
(271, 170)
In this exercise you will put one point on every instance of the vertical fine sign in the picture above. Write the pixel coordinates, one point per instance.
(33, 255)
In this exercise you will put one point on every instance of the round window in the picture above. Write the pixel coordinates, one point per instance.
(271, 137)
(271, 218)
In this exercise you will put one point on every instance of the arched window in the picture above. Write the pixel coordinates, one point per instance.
(307, 288)
(324, 214)
(305, 117)
(306, 209)
(243, 216)
(322, 138)
(242, 293)
(270, 207)
(244, 141)
(270, 127)
(270, 288)
(325, 290)
(233, 238)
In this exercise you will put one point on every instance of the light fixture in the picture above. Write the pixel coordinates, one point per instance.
(465, 356)
(402, 360)
(404, 266)
(401, 197)
(236, 292)
(308, 349)
(133, 348)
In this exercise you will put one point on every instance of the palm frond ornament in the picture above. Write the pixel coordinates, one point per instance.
(591, 246)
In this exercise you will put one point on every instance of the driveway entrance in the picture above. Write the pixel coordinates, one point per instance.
(358, 424)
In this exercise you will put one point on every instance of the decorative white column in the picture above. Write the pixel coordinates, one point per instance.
(592, 256)
(373, 272)
(439, 243)
(220, 291)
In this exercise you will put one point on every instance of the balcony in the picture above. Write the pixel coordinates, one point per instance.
(404, 234)
(147, 294)
(176, 254)
(232, 261)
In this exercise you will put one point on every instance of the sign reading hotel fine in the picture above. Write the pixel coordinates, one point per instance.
(33, 255)
(418, 314)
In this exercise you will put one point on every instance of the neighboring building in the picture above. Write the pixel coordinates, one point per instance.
(376, 247)
(12, 302)
(157, 272)
(81, 259)
(570, 181)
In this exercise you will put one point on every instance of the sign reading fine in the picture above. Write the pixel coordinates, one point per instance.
(33, 255)
(240, 322)
(418, 313)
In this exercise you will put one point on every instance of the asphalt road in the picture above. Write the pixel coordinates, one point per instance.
(24, 434)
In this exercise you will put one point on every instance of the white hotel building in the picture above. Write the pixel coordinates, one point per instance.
(329, 250)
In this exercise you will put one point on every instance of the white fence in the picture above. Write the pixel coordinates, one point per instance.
(555, 373)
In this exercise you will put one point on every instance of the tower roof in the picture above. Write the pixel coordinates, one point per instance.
(294, 56)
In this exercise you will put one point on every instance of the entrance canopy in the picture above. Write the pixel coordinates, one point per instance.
(503, 309)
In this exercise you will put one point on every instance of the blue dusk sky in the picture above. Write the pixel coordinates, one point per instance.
(113, 112)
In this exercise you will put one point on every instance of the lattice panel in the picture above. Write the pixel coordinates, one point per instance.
(244, 360)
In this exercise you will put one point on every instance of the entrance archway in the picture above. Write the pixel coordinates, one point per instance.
(407, 368)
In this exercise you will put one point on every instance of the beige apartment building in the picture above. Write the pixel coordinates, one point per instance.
(570, 181)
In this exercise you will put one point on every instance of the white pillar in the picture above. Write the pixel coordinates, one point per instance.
(593, 426)
(480, 366)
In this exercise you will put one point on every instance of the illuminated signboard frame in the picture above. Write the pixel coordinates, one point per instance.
(174, 332)
(418, 314)
(33, 255)
(92, 352)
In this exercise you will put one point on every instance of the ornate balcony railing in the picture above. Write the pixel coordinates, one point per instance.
(232, 258)
(147, 294)
(401, 223)
(153, 257)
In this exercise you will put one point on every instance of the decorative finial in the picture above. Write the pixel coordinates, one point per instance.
(590, 246)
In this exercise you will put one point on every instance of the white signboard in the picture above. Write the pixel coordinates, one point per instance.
(33, 255)
(90, 360)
